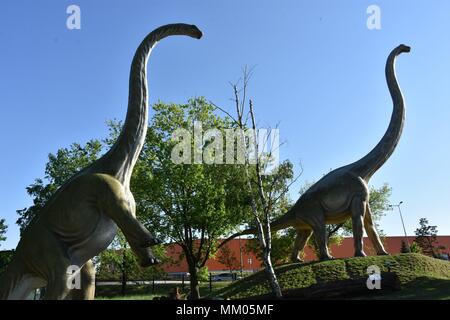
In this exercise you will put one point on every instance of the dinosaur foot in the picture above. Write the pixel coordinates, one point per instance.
(360, 254)
(151, 241)
(149, 262)
(382, 253)
(145, 256)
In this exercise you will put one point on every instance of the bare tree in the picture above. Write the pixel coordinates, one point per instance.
(264, 192)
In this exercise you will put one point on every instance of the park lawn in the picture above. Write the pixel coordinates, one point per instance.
(423, 288)
(145, 292)
(421, 277)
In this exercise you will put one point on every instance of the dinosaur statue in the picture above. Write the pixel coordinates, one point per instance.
(343, 193)
(81, 218)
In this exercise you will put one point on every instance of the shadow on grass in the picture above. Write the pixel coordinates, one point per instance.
(146, 292)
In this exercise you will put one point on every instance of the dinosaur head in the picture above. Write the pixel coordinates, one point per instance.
(402, 48)
(195, 32)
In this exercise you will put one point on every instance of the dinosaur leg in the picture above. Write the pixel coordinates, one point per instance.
(87, 291)
(136, 234)
(358, 209)
(17, 284)
(372, 232)
(300, 242)
(320, 235)
(58, 286)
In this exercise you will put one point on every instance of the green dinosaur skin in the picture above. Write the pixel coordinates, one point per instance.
(82, 217)
(344, 193)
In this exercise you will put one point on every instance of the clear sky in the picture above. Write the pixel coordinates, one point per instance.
(319, 74)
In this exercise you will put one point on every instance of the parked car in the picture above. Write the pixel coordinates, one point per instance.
(222, 277)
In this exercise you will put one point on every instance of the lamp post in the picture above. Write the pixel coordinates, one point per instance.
(403, 223)
(240, 255)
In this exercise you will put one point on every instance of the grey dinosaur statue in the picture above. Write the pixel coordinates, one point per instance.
(343, 193)
(81, 218)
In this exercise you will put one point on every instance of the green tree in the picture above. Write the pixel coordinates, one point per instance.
(119, 263)
(5, 258)
(189, 204)
(203, 274)
(415, 248)
(3, 228)
(404, 248)
(426, 238)
(228, 258)
(59, 168)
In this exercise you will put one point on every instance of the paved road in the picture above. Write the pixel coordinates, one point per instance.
(116, 283)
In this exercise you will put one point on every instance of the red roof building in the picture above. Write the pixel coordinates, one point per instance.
(251, 263)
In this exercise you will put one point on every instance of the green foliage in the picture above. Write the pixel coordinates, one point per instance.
(192, 205)
(203, 274)
(415, 248)
(404, 248)
(118, 262)
(412, 248)
(426, 238)
(408, 267)
(5, 258)
(3, 228)
(282, 246)
(59, 168)
(227, 257)
(379, 205)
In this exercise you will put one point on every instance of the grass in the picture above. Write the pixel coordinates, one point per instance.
(421, 277)
(145, 292)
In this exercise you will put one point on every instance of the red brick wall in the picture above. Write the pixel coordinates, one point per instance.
(392, 245)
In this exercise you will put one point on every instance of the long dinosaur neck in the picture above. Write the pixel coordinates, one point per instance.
(368, 165)
(119, 161)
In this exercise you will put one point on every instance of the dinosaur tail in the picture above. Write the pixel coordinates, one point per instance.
(120, 159)
(369, 164)
(283, 222)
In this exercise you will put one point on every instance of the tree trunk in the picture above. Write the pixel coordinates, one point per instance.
(193, 280)
(271, 274)
(124, 275)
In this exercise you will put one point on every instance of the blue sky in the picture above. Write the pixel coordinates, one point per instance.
(319, 74)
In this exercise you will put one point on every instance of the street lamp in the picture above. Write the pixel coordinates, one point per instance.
(240, 256)
(403, 223)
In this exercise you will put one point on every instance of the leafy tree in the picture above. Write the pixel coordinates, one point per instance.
(189, 204)
(415, 248)
(228, 258)
(404, 248)
(5, 258)
(60, 167)
(3, 228)
(119, 263)
(203, 274)
(426, 238)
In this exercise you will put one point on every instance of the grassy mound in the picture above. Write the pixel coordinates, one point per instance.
(410, 268)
